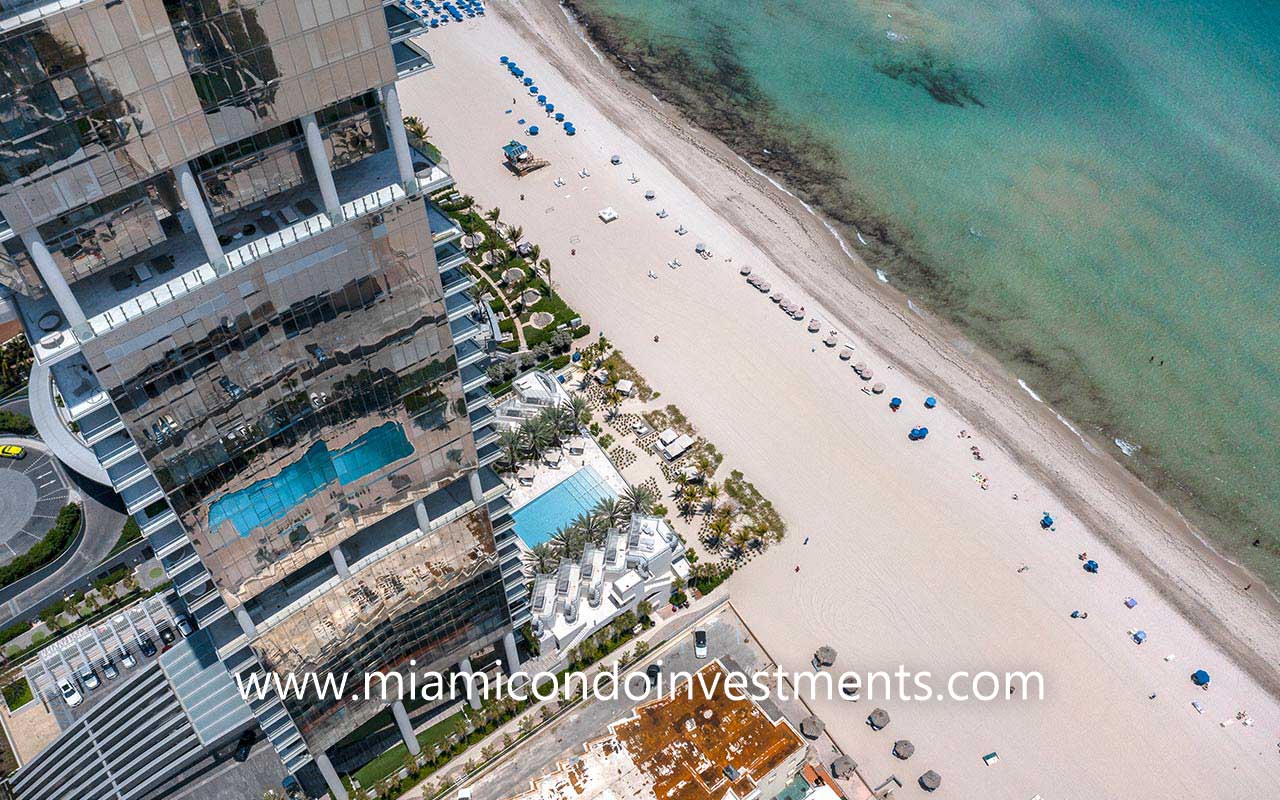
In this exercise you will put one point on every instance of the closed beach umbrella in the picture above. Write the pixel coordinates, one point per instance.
(930, 781)
(1200, 678)
(826, 655)
(843, 767)
(812, 727)
(930, 402)
(903, 748)
(878, 719)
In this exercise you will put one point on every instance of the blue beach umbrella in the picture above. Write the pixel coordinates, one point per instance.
(533, 90)
(542, 99)
(533, 130)
(570, 131)
(551, 107)
(914, 435)
(528, 81)
(559, 116)
(1091, 567)
(503, 60)
(568, 126)
(895, 403)
(520, 121)
(924, 432)
(1200, 678)
(930, 402)
(1139, 637)
(1046, 522)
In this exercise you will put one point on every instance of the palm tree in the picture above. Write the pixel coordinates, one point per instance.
(580, 408)
(738, 541)
(717, 531)
(613, 398)
(538, 435)
(637, 500)
(611, 510)
(566, 423)
(416, 128)
(511, 443)
(539, 560)
(514, 233)
(705, 465)
(534, 253)
(711, 493)
(546, 267)
(688, 500)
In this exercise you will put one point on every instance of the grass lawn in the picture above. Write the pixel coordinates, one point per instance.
(17, 694)
(393, 759)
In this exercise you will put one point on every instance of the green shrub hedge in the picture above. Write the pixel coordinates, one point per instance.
(13, 422)
(57, 540)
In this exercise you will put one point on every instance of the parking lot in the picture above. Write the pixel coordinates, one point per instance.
(32, 491)
(97, 658)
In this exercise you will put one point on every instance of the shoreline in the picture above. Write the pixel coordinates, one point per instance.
(771, 148)
(910, 561)
(888, 293)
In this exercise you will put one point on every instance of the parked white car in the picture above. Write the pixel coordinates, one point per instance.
(70, 693)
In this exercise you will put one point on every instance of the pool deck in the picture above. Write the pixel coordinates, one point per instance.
(546, 478)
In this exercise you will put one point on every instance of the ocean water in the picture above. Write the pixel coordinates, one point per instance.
(1091, 188)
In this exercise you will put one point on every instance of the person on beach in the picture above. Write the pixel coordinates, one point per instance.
(806, 540)
(655, 339)
(797, 567)
(573, 251)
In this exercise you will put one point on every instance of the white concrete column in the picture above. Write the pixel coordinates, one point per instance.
(56, 283)
(424, 519)
(464, 666)
(399, 137)
(331, 778)
(406, 728)
(513, 655)
(320, 164)
(246, 622)
(200, 217)
(477, 491)
(340, 562)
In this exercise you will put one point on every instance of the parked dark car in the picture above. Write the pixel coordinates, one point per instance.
(244, 746)
(167, 635)
(653, 672)
(147, 646)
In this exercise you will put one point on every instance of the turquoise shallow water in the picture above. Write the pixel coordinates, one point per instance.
(1090, 187)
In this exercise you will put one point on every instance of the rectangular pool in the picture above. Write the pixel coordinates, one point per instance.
(555, 508)
(270, 499)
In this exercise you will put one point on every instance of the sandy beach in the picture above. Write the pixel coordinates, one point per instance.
(909, 561)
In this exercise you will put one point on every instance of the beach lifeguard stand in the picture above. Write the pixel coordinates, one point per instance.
(519, 160)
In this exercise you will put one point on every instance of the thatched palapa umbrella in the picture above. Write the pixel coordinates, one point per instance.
(812, 727)
(825, 656)
(843, 767)
(878, 719)
(903, 749)
(930, 781)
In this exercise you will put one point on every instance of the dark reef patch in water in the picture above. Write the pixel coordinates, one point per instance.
(943, 83)
(718, 94)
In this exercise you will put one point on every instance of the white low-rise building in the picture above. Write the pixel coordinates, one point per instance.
(531, 393)
(639, 562)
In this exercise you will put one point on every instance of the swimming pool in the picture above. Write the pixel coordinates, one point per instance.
(269, 499)
(556, 507)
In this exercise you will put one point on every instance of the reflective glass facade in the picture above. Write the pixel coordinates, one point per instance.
(297, 409)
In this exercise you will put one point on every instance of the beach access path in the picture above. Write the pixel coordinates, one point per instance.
(910, 562)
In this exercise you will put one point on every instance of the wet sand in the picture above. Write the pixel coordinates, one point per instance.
(909, 560)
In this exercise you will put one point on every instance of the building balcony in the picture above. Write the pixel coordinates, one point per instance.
(459, 305)
(137, 496)
(410, 58)
(480, 398)
(481, 417)
(464, 329)
(128, 471)
(450, 255)
(488, 454)
(401, 23)
(470, 352)
(114, 449)
(443, 229)
(486, 436)
(455, 280)
(100, 424)
(473, 378)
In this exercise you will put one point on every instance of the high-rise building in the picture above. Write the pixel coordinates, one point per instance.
(250, 320)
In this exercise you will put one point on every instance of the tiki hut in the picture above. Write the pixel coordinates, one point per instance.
(843, 767)
(812, 727)
(930, 781)
(825, 656)
(903, 749)
(878, 719)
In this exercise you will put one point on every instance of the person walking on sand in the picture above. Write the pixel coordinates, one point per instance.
(797, 567)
